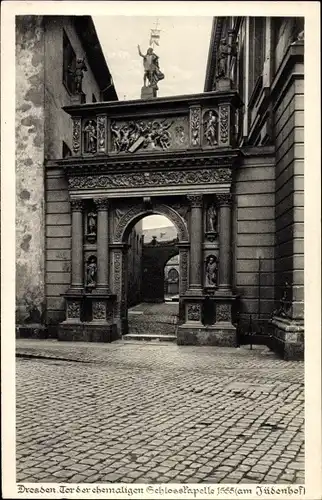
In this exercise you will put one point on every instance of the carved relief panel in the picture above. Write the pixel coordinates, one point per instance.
(137, 136)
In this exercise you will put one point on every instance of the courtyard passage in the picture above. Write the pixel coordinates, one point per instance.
(154, 320)
(157, 412)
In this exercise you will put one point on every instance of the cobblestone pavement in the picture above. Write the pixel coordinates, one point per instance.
(161, 319)
(137, 412)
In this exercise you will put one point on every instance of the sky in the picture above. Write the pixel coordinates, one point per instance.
(182, 51)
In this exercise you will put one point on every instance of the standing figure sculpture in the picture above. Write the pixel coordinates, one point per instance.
(90, 138)
(91, 272)
(210, 125)
(152, 72)
(78, 74)
(92, 224)
(211, 271)
(212, 219)
(224, 51)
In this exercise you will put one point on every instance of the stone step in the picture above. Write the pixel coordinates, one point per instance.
(146, 337)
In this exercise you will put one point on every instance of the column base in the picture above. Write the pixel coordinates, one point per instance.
(215, 335)
(87, 332)
(287, 338)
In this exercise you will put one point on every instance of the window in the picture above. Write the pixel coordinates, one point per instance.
(256, 50)
(66, 151)
(94, 98)
(69, 63)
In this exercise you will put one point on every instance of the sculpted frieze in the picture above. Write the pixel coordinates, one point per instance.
(139, 179)
(134, 136)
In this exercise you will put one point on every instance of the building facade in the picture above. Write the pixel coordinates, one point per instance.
(265, 62)
(47, 49)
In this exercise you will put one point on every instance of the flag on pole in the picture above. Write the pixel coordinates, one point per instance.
(155, 37)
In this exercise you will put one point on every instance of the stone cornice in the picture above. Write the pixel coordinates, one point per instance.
(158, 106)
(162, 162)
(284, 75)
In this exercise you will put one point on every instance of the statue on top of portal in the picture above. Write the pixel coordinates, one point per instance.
(152, 72)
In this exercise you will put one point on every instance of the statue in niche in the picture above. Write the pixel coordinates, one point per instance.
(211, 271)
(212, 219)
(92, 224)
(152, 72)
(91, 271)
(211, 128)
(90, 137)
(78, 74)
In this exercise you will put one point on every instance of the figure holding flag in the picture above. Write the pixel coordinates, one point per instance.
(152, 71)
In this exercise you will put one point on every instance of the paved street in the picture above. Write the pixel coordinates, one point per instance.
(157, 412)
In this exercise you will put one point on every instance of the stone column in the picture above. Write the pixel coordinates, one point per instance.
(102, 285)
(77, 283)
(225, 255)
(196, 236)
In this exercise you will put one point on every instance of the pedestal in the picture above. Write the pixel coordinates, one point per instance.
(226, 333)
(224, 84)
(148, 93)
(101, 327)
(72, 328)
(287, 338)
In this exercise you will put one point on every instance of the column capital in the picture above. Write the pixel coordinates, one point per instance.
(101, 203)
(195, 200)
(77, 205)
(224, 199)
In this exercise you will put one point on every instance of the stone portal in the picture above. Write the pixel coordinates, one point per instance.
(169, 156)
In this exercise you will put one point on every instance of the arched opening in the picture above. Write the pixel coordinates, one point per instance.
(151, 243)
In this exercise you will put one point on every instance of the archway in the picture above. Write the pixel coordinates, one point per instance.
(155, 254)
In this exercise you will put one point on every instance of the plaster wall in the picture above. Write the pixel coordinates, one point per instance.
(30, 116)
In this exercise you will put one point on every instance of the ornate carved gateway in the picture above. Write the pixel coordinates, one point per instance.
(170, 156)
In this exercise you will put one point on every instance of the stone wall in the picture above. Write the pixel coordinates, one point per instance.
(30, 115)
(254, 232)
(58, 126)
(58, 244)
(289, 211)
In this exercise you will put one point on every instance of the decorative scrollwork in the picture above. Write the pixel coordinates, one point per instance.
(183, 275)
(223, 312)
(73, 310)
(99, 310)
(195, 123)
(128, 180)
(224, 123)
(101, 131)
(76, 135)
(117, 269)
(194, 312)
